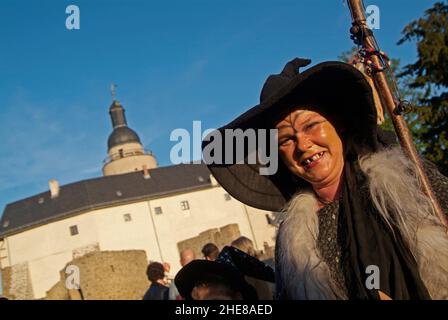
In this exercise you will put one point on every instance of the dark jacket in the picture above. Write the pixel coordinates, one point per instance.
(156, 291)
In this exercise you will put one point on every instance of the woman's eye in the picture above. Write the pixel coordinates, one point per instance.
(311, 125)
(285, 141)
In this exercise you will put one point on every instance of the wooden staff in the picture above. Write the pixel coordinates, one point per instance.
(363, 36)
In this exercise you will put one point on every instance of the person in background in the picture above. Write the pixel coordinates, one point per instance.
(223, 278)
(186, 256)
(215, 281)
(158, 289)
(264, 289)
(210, 251)
(166, 269)
(246, 245)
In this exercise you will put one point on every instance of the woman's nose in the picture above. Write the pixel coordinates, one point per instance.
(303, 142)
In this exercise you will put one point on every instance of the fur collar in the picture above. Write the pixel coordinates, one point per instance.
(302, 273)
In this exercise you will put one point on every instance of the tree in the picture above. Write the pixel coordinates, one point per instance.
(428, 76)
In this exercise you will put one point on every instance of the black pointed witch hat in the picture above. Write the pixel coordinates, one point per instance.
(337, 90)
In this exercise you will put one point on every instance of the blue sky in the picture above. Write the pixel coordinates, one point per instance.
(173, 61)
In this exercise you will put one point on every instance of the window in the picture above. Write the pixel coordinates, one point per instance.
(158, 210)
(74, 230)
(227, 197)
(119, 193)
(184, 205)
(127, 217)
(6, 224)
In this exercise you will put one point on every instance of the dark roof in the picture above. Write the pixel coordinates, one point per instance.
(78, 197)
(122, 135)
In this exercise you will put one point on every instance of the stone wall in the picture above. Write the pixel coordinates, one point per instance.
(17, 283)
(220, 236)
(106, 275)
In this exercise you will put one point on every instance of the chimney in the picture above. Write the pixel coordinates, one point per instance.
(213, 181)
(146, 174)
(54, 188)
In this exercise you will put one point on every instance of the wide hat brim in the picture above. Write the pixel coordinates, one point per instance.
(343, 90)
(190, 274)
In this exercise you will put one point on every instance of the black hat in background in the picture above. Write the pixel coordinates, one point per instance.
(231, 266)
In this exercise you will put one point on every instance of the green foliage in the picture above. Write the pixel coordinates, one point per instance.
(428, 77)
(346, 56)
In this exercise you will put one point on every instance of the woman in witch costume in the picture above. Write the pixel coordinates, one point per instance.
(348, 197)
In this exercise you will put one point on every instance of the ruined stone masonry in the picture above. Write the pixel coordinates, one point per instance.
(219, 236)
(106, 275)
(16, 282)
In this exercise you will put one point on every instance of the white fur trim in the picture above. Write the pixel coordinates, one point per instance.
(304, 274)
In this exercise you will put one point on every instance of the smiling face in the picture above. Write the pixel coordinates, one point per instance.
(310, 147)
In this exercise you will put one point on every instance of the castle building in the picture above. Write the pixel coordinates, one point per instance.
(135, 205)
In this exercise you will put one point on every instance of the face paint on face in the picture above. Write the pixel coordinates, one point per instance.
(310, 147)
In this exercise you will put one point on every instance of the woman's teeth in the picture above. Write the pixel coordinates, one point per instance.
(313, 158)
